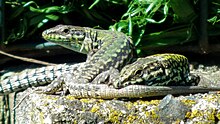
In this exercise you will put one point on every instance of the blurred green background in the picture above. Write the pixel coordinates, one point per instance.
(151, 23)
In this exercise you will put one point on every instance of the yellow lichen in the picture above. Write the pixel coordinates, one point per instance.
(101, 100)
(95, 108)
(188, 102)
(211, 97)
(90, 100)
(69, 97)
(152, 102)
(114, 116)
(211, 115)
(51, 97)
(195, 113)
(199, 113)
(152, 114)
(130, 118)
(188, 114)
(129, 105)
(218, 115)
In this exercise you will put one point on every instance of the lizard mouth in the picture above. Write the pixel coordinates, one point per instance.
(54, 37)
(64, 41)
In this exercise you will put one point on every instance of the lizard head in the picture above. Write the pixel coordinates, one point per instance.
(130, 74)
(137, 72)
(71, 37)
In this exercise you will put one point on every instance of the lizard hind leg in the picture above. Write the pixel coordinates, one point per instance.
(193, 79)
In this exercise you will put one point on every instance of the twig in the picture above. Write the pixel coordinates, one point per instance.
(26, 59)
(22, 99)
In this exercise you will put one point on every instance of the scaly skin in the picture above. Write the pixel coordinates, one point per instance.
(156, 70)
(159, 68)
(104, 91)
(107, 49)
(34, 77)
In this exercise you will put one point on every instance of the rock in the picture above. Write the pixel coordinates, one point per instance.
(48, 109)
(171, 109)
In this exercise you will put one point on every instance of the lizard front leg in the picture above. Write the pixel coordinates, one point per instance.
(107, 77)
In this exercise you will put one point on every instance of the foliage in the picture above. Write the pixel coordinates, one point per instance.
(26, 17)
(151, 23)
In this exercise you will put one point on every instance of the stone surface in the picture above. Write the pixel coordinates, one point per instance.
(41, 108)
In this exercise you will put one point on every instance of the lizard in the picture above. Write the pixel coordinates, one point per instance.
(166, 68)
(105, 49)
(44, 75)
(103, 91)
(116, 48)
(86, 47)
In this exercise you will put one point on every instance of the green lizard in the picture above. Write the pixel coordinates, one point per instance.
(106, 49)
(108, 52)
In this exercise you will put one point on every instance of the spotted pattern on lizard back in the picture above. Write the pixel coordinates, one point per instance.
(157, 70)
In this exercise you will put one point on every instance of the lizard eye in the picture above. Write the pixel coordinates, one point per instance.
(138, 72)
(66, 30)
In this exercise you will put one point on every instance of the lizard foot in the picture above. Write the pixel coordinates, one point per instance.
(52, 88)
